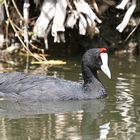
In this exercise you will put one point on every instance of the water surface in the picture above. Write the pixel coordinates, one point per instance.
(116, 117)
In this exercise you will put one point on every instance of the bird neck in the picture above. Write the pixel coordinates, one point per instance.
(92, 84)
(89, 77)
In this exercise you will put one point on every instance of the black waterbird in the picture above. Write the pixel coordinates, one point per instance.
(23, 86)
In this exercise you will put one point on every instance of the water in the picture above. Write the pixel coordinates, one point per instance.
(115, 118)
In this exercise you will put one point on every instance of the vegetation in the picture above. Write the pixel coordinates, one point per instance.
(114, 23)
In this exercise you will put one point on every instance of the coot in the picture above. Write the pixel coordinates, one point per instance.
(23, 86)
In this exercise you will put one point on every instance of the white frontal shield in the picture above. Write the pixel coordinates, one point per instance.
(104, 67)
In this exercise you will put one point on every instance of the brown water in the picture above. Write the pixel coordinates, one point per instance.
(116, 117)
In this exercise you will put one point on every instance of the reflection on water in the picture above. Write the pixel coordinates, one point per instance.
(116, 117)
(104, 130)
(127, 91)
(51, 120)
(125, 104)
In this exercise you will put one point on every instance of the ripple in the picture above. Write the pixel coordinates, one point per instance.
(125, 86)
